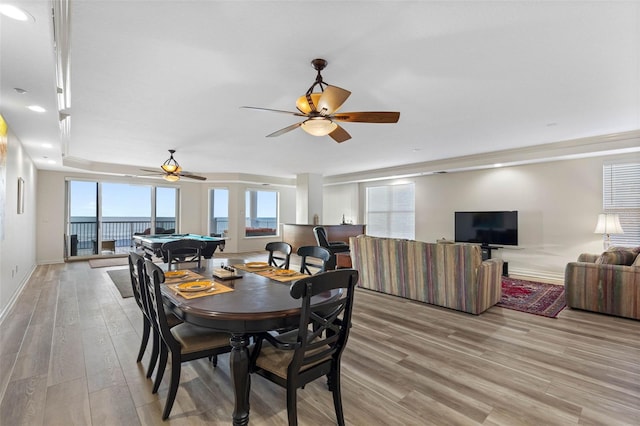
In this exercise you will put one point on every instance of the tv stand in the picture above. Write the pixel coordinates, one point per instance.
(486, 254)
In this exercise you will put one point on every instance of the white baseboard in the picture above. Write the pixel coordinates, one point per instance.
(555, 278)
(16, 294)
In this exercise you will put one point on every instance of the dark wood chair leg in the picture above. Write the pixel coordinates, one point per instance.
(337, 395)
(162, 365)
(154, 353)
(146, 327)
(292, 406)
(173, 386)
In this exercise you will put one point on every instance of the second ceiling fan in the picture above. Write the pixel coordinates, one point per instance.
(171, 171)
(320, 110)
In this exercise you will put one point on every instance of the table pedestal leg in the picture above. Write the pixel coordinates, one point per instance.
(239, 364)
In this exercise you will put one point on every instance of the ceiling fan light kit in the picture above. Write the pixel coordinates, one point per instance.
(171, 178)
(171, 165)
(318, 126)
(171, 170)
(320, 109)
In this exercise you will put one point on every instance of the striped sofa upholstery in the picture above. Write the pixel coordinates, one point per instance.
(449, 275)
(595, 284)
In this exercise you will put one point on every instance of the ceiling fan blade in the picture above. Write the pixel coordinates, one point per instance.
(340, 135)
(191, 176)
(368, 117)
(285, 130)
(332, 98)
(157, 172)
(275, 110)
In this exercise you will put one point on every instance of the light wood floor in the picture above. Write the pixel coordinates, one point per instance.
(68, 349)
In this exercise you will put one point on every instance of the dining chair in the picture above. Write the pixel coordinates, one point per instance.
(138, 282)
(184, 342)
(181, 251)
(134, 267)
(279, 254)
(314, 349)
(309, 257)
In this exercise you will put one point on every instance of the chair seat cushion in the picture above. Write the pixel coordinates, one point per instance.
(277, 360)
(194, 339)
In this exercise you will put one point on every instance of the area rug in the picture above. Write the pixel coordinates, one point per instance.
(109, 261)
(532, 297)
(122, 280)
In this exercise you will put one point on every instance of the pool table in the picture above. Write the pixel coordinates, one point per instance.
(152, 244)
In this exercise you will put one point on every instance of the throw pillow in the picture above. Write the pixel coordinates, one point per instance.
(617, 257)
(637, 261)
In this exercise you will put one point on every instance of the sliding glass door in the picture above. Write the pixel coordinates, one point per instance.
(104, 216)
(82, 218)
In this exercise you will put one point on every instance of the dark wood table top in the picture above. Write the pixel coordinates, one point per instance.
(256, 304)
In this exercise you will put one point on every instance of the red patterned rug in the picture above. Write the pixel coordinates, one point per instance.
(532, 297)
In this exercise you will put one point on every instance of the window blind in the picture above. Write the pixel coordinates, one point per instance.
(621, 195)
(391, 211)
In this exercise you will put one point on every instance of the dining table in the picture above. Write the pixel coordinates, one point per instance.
(250, 298)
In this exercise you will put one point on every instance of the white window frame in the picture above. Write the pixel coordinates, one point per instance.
(386, 223)
(621, 195)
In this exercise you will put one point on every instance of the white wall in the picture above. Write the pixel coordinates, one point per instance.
(18, 248)
(341, 200)
(558, 205)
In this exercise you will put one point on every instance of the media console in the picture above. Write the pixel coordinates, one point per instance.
(486, 254)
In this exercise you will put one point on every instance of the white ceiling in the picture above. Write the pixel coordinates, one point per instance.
(468, 78)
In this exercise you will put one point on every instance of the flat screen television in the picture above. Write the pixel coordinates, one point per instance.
(499, 228)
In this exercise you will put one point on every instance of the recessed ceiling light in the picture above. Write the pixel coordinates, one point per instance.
(16, 13)
(47, 145)
(36, 108)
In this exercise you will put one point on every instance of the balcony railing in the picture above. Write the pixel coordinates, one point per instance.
(84, 234)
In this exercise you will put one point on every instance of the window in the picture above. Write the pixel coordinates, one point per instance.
(391, 211)
(166, 209)
(218, 211)
(103, 216)
(621, 195)
(261, 213)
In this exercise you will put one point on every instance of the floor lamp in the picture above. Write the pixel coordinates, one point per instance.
(608, 223)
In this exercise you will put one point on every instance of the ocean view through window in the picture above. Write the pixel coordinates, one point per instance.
(104, 216)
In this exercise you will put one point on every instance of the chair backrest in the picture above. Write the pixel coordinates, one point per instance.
(314, 252)
(154, 276)
(183, 248)
(279, 254)
(324, 329)
(321, 236)
(136, 270)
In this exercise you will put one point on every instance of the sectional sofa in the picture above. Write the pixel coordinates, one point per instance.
(444, 274)
(608, 283)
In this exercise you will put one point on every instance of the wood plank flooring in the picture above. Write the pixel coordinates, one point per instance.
(68, 350)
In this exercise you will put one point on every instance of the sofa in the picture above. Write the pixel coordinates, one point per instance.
(608, 283)
(450, 275)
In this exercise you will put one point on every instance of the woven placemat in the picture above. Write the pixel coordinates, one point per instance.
(217, 289)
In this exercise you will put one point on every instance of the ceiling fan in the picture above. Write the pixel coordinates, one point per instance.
(320, 110)
(171, 170)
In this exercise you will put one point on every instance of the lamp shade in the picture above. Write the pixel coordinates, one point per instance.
(171, 178)
(303, 104)
(608, 223)
(319, 126)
